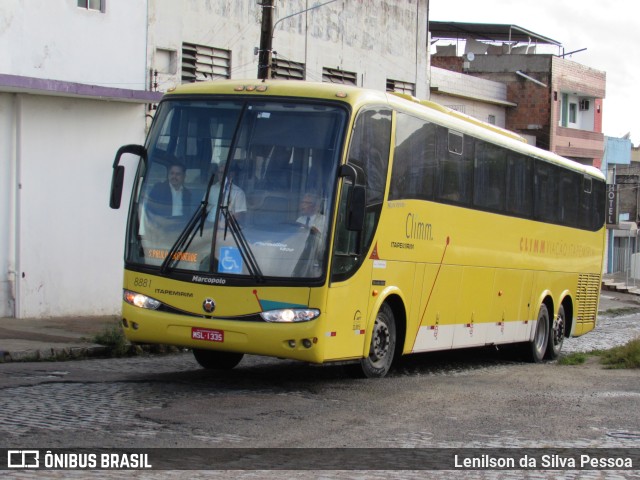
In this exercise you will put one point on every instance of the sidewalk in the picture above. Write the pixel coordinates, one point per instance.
(620, 282)
(35, 339)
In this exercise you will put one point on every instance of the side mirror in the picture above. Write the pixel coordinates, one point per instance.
(117, 178)
(356, 208)
(357, 201)
(117, 181)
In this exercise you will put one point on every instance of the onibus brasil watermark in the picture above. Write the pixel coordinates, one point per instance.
(72, 460)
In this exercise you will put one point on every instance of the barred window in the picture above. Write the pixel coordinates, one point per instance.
(200, 63)
(401, 87)
(287, 69)
(99, 5)
(335, 75)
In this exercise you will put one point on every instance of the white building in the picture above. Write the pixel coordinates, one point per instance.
(72, 90)
(378, 44)
(76, 78)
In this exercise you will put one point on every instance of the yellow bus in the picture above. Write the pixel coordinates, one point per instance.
(327, 223)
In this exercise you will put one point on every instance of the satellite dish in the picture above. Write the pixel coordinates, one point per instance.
(470, 56)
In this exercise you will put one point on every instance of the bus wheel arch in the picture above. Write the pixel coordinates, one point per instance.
(400, 314)
(387, 338)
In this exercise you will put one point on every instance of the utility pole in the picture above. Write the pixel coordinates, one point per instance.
(266, 40)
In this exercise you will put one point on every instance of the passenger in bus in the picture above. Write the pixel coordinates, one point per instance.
(310, 215)
(233, 197)
(170, 198)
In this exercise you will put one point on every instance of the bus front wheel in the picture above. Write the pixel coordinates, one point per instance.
(538, 346)
(383, 345)
(556, 335)
(213, 360)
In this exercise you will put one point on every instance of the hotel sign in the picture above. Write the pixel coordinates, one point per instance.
(612, 204)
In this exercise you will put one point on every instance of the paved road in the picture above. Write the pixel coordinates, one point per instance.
(466, 399)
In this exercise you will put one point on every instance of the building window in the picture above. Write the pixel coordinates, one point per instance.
(335, 75)
(93, 4)
(491, 120)
(286, 69)
(584, 105)
(573, 113)
(200, 63)
(401, 87)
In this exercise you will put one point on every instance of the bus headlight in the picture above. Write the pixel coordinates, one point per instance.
(140, 300)
(290, 315)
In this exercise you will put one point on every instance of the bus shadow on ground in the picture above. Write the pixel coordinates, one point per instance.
(255, 372)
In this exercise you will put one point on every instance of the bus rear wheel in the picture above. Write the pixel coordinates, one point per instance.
(383, 345)
(538, 346)
(556, 335)
(214, 360)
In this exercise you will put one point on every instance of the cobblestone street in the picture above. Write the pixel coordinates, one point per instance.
(462, 400)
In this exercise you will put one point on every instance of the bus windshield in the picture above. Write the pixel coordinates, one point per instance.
(239, 188)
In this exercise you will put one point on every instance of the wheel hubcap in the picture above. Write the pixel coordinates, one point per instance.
(558, 330)
(380, 346)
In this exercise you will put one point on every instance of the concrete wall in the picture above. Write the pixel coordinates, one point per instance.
(7, 210)
(56, 39)
(479, 98)
(60, 244)
(68, 243)
(377, 39)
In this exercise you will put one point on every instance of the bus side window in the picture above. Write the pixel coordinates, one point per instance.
(369, 150)
(489, 176)
(546, 200)
(455, 166)
(570, 193)
(414, 164)
(519, 185)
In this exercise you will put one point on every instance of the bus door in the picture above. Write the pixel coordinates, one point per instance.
(363, 186)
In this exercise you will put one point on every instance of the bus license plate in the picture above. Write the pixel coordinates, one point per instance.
(207, 334)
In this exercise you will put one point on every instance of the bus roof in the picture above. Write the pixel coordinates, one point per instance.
(358, 97)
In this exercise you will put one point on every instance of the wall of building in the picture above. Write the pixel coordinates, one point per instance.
(60, 244)
(474, 96)
(377, 39)
(7, 210)
(56, 39)
(532, 96)
(68, 243)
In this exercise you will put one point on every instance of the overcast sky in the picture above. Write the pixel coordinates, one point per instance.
(609, 30)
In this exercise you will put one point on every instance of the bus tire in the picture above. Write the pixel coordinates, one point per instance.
(383, 345)
(538, 346)
(556, 335)
(214, 360)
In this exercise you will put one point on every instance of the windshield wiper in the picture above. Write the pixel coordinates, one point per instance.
(245, 249)
(185, 238)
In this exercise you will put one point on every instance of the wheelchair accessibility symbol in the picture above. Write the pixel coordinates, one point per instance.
(230, 260)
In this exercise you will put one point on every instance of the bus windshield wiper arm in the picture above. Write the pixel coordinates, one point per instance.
(188, 232)
(245, 249)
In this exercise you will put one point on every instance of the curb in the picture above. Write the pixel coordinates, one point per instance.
(54, 354)
(59, 354)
